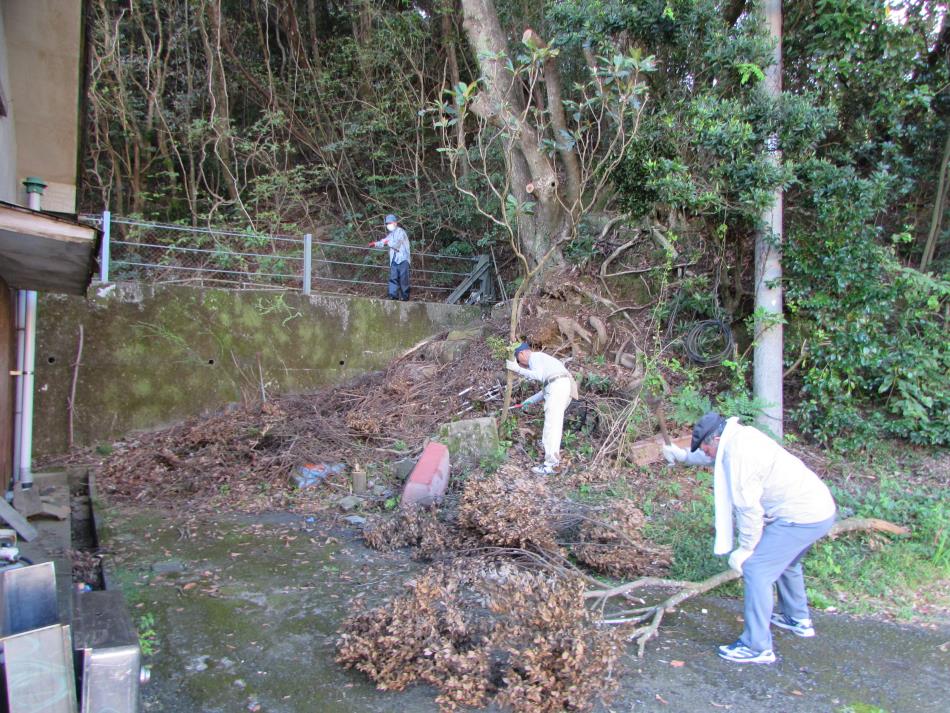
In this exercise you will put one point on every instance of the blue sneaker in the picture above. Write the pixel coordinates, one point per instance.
(799, 627)
(740, 653)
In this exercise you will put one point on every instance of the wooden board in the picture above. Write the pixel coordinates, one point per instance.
(17, 521)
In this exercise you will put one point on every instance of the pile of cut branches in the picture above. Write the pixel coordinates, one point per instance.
(243, 456)
(612, 543)
(519, 515)
(511, 509)
(483, 630)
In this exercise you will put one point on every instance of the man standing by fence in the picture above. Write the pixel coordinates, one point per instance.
(398, 243)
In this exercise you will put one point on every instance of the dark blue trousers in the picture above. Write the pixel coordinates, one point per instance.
(399, 281)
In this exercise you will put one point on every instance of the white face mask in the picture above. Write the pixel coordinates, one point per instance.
(390, 227)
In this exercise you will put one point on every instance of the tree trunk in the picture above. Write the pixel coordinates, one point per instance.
(455, 77)
(502, 104)
(767, 356)
(940, 202)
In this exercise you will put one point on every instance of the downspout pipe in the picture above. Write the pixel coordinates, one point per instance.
(24, 476)
(20, 300)
(25, 472)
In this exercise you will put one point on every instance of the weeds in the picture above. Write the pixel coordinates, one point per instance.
(148, 637)
(864, 575)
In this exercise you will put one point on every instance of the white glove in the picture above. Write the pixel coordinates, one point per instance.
(738, 558)
(674, 453)
(511, 365)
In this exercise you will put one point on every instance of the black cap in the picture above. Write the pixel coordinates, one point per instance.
(520, 348)
(704, 426)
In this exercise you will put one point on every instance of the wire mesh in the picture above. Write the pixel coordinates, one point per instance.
(163, 253)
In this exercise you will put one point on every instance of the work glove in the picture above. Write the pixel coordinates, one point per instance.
(738, 558)
(532, 400)
(511, 365)
(673, 454)
(517, 406)
(372, 244)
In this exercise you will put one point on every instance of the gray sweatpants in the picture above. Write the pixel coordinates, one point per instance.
(777, 559)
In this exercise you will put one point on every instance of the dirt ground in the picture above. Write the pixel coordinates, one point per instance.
(245, 609)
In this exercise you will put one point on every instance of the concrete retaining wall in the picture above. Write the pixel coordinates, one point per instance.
(155, 355)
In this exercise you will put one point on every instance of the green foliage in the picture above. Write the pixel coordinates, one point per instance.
(872, 576)
(688, 532)
(878, 355)
(494, 460)
(689, 404)
(148, 636)
(500, 348)
(596, 383)
(860, 708)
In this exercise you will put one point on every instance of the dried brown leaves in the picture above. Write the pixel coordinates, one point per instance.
(613, 544)
(482, 631)
(510, 509)
(416, 527)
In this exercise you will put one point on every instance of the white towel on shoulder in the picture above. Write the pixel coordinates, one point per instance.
(722, 494)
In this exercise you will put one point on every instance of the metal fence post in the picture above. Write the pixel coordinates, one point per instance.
(104, 252)
(307, 243)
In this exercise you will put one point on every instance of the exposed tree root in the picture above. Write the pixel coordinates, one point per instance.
(650, 617)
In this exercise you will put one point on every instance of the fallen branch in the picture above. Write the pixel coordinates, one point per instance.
(690, 589)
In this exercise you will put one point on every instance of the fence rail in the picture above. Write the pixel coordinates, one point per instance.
(163, 253)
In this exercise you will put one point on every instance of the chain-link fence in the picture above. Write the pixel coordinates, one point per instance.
(135, 250)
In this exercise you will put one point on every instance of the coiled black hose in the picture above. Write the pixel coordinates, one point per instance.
(701, 335)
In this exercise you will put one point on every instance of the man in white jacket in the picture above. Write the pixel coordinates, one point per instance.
(781, 508)
(559, 389)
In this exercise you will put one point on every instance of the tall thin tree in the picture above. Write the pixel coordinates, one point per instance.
(767, 355)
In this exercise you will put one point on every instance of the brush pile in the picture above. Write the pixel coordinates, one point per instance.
(486, 631)
(500, 618)
(418, 528)
(510, 509)
(242, 457)
(512, 512)
(611, 542)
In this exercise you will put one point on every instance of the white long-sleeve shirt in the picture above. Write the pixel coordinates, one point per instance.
(758, 479)
(541, 367)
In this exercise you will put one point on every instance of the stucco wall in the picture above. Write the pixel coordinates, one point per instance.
(43, 51)
(152, 356)
(7, 134)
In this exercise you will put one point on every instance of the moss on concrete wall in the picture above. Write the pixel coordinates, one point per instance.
(152, 356)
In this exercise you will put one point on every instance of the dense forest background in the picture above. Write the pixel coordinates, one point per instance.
(629, 140)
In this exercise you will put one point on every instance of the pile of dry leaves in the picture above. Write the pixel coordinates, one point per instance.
(418, 528)
(243, 457)
(510, 509)
(515, 511)
(482, 631)
(509, 627)
(611, 542)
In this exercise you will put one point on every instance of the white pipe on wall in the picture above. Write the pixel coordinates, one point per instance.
(26, 335)
(29, 362)
(20, 357)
